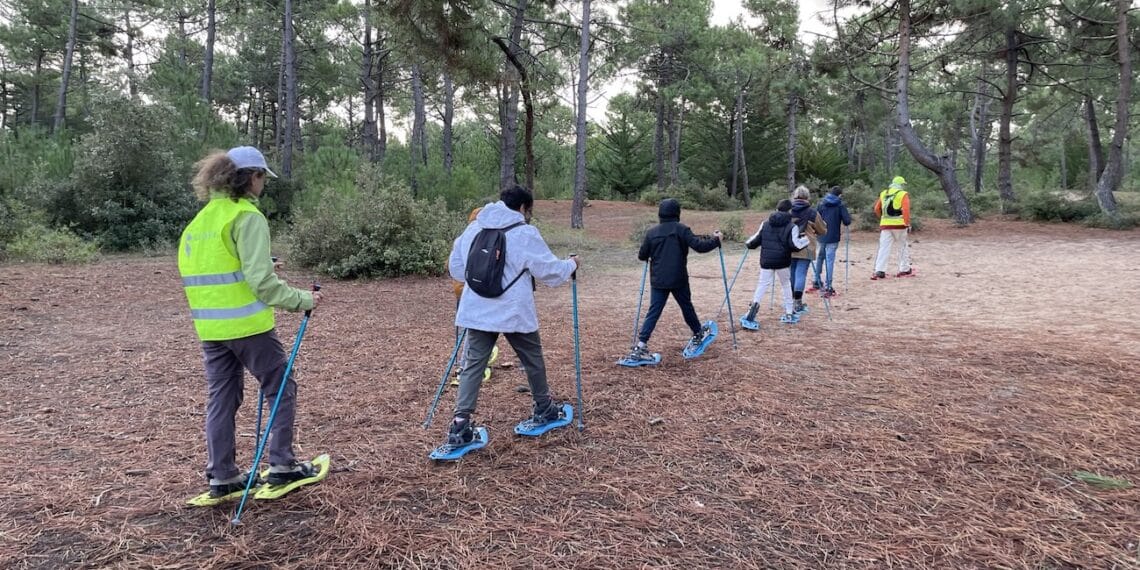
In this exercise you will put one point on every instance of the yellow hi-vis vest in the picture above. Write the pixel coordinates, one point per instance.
(222, 304)
(892, 201)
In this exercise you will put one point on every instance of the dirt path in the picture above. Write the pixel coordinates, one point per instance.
(942, 435)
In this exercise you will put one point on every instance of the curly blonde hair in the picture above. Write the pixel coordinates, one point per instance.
(216, 172)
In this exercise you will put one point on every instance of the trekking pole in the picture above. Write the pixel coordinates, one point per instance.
(273, 413)
(443, 379)
(724, 278)
(819, 279)
(640, 297)
(847, 262)
(577, 343)
(732, 284)
(260, 404)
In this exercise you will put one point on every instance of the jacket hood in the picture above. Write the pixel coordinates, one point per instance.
(800, 207)
(498, 215)
(779, 219)
(669, 210)
(830, 200)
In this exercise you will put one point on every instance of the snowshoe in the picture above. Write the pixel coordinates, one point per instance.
(748, 324)
(224, 493)
(697, 345)
(790, 318)
(452, 452)
(828, 293)
(878, 275)
(640, 357)
(278, 485)
(908, 273)
(803, 309)
(537, 425)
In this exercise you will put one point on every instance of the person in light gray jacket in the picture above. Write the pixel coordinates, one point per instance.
(511, 314)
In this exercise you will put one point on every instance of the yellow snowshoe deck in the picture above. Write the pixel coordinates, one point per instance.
(270, 492)
(205, 500)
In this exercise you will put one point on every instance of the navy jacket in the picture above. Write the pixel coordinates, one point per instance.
(666, 247)
(775, 241)
(833, 211)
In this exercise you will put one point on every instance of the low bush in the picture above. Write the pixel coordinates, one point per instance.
(41, 244)
(1044, 206)
(642, 226)
(378, 231)
(732, 227)
(693, 196)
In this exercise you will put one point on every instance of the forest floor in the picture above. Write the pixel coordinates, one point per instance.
(932, 422)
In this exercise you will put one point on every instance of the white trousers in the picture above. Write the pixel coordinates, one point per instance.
(887, 238)
(767, 276)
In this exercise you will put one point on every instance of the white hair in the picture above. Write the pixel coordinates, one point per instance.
(801, 193)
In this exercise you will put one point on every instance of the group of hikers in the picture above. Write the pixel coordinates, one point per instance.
(230, 282)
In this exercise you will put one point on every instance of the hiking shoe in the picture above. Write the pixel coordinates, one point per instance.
(288, 474)
(815, 287)
(829, 292)
(544, 414)
(790, 319)
(906, 273)
(878, 275)
(640, 354)
(802, 309)
(232, 485)
(461, 432)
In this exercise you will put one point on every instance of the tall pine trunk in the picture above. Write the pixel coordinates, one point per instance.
(1109, 180)
(793, 104)
(509, 104)
(208, 63)
(580, 121)
(448, 119)
(65, 77)
(367, 81)
(291, 120)
(129, 55)
(659, 142)
(979, 121)
(1096, 149)
(676, 121)
(1005, 138)
(416, 141)
(381, 118)
(939, 165)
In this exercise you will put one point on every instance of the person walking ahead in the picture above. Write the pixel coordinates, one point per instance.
(666, 248)
(834, 212)
(512, 313)
(893, 209)
(227, 273)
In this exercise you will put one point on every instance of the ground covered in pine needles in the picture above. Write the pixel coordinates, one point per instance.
(935, 422)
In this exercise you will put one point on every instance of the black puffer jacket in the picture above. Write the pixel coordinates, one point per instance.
(775, 241)
(666, 246)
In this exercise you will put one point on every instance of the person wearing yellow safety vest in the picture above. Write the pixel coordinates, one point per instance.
(229, 280)
(893, 209)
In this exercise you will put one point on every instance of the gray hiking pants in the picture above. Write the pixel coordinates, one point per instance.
(225, 362)
(527, 346)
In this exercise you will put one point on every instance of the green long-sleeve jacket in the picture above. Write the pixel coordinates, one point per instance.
(250, 242)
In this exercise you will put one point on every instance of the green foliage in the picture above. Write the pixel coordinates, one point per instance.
(1122, 221)
(692, 196)
(623, 166)
(127, 189)
(1044, 206)
(641, 227)
(41, 244)
(32, 156)
(859, 196)
(732, 227)
(821, 161)
(983, 203)
(930, 203)
(377, 231)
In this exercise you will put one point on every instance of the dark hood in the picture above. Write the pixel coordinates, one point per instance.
(802, 209)
(830, 200)
(779, 219)
(669, 210)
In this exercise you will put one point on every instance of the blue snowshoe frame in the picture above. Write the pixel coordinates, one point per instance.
(625, 361)
(749, 325)
(690, 351)
(448, 452)
(528, 428)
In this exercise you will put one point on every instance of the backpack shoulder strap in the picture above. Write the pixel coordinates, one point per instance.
(505, 230)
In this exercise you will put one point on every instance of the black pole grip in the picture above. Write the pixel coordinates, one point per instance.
(316, 287)
(574, 275)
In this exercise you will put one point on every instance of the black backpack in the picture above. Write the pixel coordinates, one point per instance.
(487, 261)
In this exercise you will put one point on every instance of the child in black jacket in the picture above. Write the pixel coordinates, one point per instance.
(777, 238)
(666, 247)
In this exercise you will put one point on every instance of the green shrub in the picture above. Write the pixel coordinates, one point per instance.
(983, 203)
(378, 231)
(1044, 206)
(41, 244)
(127, 189)
(732, 227)
(642, 226)
(860, 196)
(929, 203)
(693, 196)
(1122, 221)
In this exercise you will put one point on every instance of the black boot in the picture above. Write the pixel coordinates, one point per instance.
(752, 309)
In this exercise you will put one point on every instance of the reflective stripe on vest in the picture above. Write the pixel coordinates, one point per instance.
(892, 200)
(222, 303)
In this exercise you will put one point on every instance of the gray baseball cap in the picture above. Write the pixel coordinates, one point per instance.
(249, 157)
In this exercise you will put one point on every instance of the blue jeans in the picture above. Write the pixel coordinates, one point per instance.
(657, 299)
(826, 256)
(799, 274)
